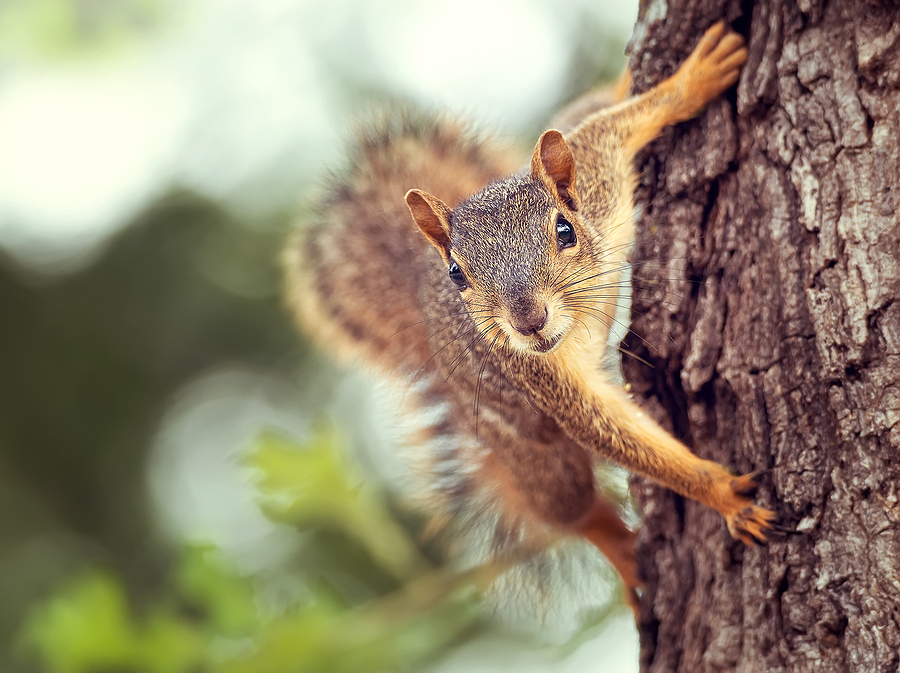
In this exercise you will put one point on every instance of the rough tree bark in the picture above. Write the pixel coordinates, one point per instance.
(775, 332)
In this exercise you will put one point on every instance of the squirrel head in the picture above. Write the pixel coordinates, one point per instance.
(517, 250)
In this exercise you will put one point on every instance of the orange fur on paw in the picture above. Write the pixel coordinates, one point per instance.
(712, 67)
(748, 522)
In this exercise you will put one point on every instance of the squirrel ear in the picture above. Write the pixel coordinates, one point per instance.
(553, 164)
(433, 217)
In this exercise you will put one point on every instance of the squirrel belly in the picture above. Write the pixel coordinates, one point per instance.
(496, 311)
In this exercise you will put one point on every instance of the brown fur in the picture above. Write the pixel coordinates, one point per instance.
(511, 356)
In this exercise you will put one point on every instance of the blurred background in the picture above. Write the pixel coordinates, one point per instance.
(184, 483)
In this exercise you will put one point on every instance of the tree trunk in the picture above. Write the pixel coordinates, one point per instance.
(774, 332)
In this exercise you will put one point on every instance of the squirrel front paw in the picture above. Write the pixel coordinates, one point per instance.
(747, 521)
(712, 67)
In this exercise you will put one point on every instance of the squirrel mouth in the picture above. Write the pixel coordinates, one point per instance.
(542, 345)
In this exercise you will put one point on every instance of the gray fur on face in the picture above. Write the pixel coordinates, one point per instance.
(511, 251)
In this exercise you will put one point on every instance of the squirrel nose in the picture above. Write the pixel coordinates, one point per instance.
(530, 322)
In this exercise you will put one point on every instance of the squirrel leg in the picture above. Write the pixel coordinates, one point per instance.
(712, 67)
(603, 527)
(639, 444)
(601, 418)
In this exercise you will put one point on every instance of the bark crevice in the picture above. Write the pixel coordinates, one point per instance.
(776, 339)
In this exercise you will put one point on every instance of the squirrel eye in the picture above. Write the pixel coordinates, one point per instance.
(457, 276)
(565, 233)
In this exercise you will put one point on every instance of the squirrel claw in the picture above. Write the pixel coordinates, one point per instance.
(782, 530)
(747, 484)
(750, 524)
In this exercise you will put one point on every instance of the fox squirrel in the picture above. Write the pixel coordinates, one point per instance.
(501, 332)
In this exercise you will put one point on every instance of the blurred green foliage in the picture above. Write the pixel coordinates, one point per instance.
(212, 619)
(90, 363)
(67, 28)
(89, 628)
(312, 487)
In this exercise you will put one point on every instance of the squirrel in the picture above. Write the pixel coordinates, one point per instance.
(495, 312)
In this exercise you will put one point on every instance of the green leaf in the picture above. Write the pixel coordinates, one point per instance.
(314, 485)
(225, 598)
(86, 626)
(169, 644)
(388, 635)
